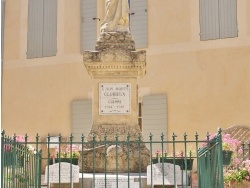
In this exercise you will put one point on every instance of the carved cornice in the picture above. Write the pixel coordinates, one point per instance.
(116, 69)
(115, 56)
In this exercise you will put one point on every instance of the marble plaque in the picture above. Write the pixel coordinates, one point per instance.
(168, 169)
(114, 98)
(111, 182)
(65, 169)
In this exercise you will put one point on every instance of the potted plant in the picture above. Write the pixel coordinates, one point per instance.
(155, 157)
(70, 154)
(179, 158)
(184, 161)
(229, 147)
(236, 177)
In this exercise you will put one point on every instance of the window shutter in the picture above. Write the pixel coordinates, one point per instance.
(154, 120)
(88, 9)
(2, 26)
(50, 28)
(35, 29)
(228, 18)
(209, 19)
(139, 22)
(42, 28)
(81, 117)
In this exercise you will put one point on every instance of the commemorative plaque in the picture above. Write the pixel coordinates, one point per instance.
(114, 98)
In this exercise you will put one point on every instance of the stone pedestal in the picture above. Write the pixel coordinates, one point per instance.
(115, 67)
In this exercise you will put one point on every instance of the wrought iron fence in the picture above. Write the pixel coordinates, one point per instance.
(162, 162)
(20, 163)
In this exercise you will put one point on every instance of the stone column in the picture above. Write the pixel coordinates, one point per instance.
(115, 67)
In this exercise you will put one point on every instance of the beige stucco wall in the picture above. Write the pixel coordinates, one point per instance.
(206, 82)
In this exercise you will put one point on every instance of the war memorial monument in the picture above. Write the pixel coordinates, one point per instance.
(115, 67)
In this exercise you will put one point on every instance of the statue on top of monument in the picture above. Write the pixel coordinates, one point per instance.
(117, 16)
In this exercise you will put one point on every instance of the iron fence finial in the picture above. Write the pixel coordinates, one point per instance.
(196, 136)
(185, 136)
(71, 137)
(37, 137)
(59, 137)
(150, 136)
(174, 136)
(128, 136)
(82, 137)
(162, 136)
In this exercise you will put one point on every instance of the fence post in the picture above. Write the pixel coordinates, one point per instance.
(128, 145)
(38, 167)
(139, 148)
(162, 148)
(151, 167)
(220, 158)
(196, 148)
(173, 138)
(82, 140)
(2, 157)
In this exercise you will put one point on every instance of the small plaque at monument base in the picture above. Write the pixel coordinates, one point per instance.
(114, 98)
(68, 173)
(111, 182)
(167, 171)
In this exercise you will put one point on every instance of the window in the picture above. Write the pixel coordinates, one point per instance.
(218, 19)
(42, 28)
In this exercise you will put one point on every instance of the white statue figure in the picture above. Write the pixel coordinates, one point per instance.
(116, 18)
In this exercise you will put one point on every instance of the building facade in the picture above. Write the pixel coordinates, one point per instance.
(198, 64)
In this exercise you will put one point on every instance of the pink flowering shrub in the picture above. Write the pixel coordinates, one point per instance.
(237, 175)
(238, 170)
(230, 144)
(246, 165)
(20, 139)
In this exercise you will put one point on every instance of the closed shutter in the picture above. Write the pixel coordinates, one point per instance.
(2, 26)
(50, 28)
(35, 29)
(139, 22)
(228, 18)
(88, 9)
(154, 120)
(81, 117)
(42, 28)
(209, 19)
